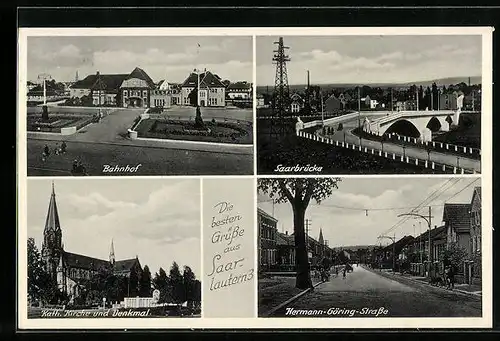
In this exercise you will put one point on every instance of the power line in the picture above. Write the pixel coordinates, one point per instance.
(433, 196)
(463, 189)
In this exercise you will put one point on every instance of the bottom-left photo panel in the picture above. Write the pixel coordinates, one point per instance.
(111, 248)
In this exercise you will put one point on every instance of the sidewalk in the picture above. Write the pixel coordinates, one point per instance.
(464, 289)
(274, 291)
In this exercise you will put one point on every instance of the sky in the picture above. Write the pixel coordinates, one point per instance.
(349, 225)
(371, 59)
(171, 58)
(156, 219)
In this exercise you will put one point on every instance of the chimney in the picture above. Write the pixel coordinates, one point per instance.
(286, 233)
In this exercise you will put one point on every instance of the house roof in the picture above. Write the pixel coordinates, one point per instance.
(398, 245)
(477, 192)
(38, 91)
(458, 215)
(332, 98)
(265, 214)
(141, 74)
(284, 239)
(435, 233)
(244, 85)
(110, 83)
(207, 80)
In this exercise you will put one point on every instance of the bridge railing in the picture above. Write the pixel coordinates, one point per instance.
(436, 145)
(435, 166)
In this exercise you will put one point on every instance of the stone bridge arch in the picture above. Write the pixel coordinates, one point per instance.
(403, 127)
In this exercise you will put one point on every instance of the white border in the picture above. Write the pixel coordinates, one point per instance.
(293, 323)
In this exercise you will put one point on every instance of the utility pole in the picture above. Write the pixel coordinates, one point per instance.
(308, 225)
(359, 108)
(392, 102)
(416, 96)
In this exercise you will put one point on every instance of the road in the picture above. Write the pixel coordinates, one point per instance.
(366, 289)
(105, 143)
(410, 151)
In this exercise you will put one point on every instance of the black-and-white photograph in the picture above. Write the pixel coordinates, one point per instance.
(384, 104)
(139, 105)
(113, 248)
(370, 247)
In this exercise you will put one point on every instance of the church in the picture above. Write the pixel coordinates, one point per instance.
(73, 271)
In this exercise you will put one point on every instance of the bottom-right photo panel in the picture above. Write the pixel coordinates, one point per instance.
(369, 247)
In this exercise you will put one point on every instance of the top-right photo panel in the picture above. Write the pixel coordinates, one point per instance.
(369, 104)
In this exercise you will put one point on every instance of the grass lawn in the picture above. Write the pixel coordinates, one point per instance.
(274, 291)
(222, 132)
(467, 134)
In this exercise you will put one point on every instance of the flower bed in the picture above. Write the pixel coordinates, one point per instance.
(55, 123)
(213, 131)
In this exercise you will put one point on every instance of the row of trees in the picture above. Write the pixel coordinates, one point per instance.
(176, 287)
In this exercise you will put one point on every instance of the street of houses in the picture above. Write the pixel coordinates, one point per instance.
(382, 275)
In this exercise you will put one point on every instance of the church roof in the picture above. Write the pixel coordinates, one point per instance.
(74, 260)
(126, 264)
(52, 220)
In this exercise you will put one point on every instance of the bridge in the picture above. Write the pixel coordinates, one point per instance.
(418, 124)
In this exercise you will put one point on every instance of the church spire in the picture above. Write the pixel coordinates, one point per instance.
(320, 239)
(112, 253)
(52, 221)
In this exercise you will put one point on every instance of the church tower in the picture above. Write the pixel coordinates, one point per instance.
(321, 241)
(52, 237)
(76, 76)
(112, 253)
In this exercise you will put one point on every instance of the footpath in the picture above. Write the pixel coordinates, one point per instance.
(278, 291)
(465, 290)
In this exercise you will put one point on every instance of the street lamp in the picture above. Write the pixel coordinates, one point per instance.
(428, 220)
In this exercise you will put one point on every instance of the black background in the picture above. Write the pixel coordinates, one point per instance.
(12, 18)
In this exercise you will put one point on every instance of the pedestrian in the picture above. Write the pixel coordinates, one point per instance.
(63, 147)
(344, 272)
(56, 149)
(46, 150)
(452, 277)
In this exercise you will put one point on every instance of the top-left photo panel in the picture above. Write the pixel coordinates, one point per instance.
(137, 105)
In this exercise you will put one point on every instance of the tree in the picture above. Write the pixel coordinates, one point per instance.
(454, 255)
(189, 279)
(41, 286)
(133, 282)
(145, 283)
(299, 192)
(176, 284)
(160, 282)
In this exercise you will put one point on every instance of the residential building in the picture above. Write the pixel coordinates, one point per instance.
(212, 91)
(475, 237)
(103, 86)
(392, 252)
(267, 236)
(296, 104)
(136, 89)
(239, 91)
(333, 104)
(417, 250)
(448, 101)
(285, 245)
(260, 101)
(36, 94)
(457, 221)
